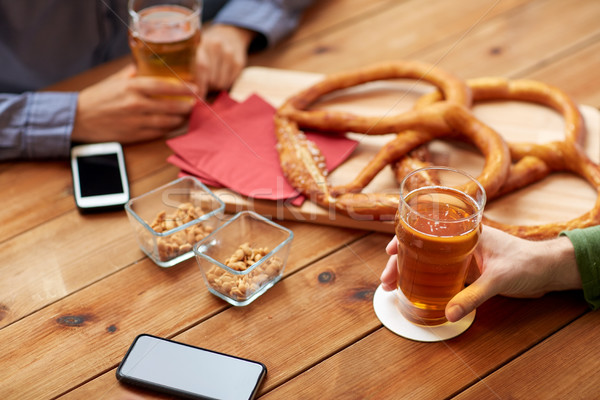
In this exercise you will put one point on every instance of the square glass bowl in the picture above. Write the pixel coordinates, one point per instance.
(244, 257)
(169, 220)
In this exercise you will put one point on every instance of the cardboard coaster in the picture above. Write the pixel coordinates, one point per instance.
(386, 305)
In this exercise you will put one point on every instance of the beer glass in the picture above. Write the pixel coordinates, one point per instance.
(438, 224)
(164, 36)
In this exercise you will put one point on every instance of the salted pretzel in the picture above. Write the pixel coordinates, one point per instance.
(533, 161)
(438, 115)
(453, 89)
(303, 164)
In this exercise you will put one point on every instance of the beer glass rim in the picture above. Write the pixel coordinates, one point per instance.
(480, 204)
(134, 14)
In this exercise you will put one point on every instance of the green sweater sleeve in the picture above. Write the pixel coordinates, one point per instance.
(587, 254)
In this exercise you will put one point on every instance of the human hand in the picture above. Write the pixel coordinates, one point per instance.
(222, 54)
(506, 265)
(129, 108)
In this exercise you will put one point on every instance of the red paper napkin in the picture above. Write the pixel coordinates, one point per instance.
(232, 145)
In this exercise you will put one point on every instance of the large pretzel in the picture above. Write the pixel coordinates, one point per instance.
(303, 165)
(535, 161)
(302, 162)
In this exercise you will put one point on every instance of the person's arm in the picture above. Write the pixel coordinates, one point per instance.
(587, 253)
(509, 266)
(272, 20)
(124, 108)
(239, 27)
(36, 125)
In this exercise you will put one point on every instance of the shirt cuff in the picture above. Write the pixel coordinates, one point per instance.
(49, 123)
(587, 254)
(272, 22)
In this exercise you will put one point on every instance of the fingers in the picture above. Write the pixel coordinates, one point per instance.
(389, 276)
(469, 299)
(131, 109)
(222, 78)
(392, 246)
(163, 87)
(213, 72)
(163, 100)
(169, 106)
(164, 122)
(129, 71)
(221, 56)
(224, 69)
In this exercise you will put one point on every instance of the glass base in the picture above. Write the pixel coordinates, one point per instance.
(387, 309)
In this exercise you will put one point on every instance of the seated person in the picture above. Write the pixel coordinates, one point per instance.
(44, 42)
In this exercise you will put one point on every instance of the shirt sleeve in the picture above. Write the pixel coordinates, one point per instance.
(587, 254)
(36, 125)
(271, 19)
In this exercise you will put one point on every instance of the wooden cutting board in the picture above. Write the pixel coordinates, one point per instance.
(559, 197)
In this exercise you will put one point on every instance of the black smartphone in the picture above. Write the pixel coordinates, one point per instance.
(99, 177)
(188, 371)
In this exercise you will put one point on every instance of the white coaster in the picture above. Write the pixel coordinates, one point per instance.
(386, 305)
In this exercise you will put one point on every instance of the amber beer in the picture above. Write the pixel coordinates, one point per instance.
(438, 229)
(164, 38)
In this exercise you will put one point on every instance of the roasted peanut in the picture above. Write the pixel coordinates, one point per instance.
(181, 242)
(241, 287)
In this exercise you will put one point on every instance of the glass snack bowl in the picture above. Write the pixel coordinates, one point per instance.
(169, 220)
(244, 257)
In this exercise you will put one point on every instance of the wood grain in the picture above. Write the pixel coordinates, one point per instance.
(563, 366)
(102, 319)
(74, 291)
(399, 30)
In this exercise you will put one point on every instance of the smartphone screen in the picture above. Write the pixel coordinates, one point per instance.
(189, 371)
(99, 174)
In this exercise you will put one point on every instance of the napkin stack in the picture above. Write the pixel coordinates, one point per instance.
(232, 145)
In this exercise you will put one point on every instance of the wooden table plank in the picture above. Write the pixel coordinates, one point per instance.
(565, 366)
(402, 30)
(576, 73)
(67, 317)
(102, 319)
(398, 368)
(516, 43)
(32, 186)
(47, 263)
(325, 16)
(321, 308)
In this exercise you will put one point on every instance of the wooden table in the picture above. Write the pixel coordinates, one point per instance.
(75, 290)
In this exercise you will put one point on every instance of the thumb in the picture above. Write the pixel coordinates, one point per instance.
(468, 300)
(129, 71)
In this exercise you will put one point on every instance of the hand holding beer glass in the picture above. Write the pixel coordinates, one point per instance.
(164, 36)
(437, 224)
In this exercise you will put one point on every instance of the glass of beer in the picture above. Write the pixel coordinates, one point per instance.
(164, 36)
(438, 224)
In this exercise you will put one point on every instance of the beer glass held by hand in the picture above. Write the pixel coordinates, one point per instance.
(438, 224)
(164, 36)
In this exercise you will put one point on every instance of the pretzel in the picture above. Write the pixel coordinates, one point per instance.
(534, 161)
(303, 164)
(442, 114)
(453, 89)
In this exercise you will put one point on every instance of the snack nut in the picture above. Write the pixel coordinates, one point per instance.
(183, 241)
(241, 287)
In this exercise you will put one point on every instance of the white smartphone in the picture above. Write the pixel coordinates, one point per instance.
(188, 371)
(99, 176)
